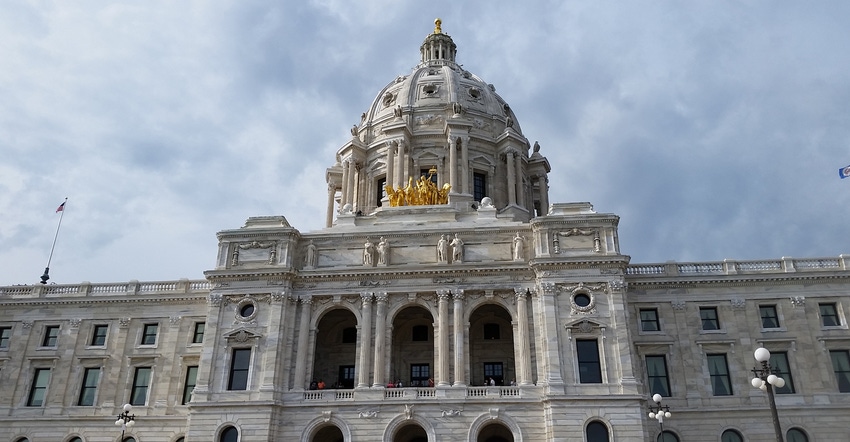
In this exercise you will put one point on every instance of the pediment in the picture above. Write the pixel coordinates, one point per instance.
(241, 335)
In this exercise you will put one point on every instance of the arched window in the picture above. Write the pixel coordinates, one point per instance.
(731, 436)
(23, 439)
(796, 435)
(130, 439)
(230, 434)
(596, 432)
(667, 436)
(75, 439)
(181, 439)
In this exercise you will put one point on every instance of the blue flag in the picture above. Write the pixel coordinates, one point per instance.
(844, 172)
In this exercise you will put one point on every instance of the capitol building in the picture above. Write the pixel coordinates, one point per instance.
(447, 299)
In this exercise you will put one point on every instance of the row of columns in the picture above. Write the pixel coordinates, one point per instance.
(443, 355)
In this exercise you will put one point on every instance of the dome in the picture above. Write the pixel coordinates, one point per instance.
(442, 123)
(436, 90)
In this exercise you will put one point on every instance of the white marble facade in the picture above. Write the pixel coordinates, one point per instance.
(495, 317)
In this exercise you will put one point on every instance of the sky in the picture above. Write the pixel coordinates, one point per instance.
(714, 129)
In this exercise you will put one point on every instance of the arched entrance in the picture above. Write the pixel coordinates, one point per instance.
(495, 432)
(491, 346)
(336, 350)
(328, 433)
(412, 361)
(410, 433)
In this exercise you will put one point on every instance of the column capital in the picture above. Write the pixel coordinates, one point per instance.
(549, 288)
(366, 297)
(520, 293)
(306, 300)
(458, 295)
(443, 295)
(381, 297)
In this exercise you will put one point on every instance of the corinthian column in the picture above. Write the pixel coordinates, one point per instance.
(365, 340)
(390, 160)
(464, 165)
(329, 219)
(453, 164)
(303, 331)
(511, 171)
(345, 186)
(443, 343)
(460, 364)
(380, 337)
(352, 174)
(399, 170)
(523, 350)
(520, 191)
(543, 185)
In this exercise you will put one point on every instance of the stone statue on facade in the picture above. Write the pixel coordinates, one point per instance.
(368, 253)
(383, 252)
(457, 249)
(519, 247)
(442, 250)
(310, 260)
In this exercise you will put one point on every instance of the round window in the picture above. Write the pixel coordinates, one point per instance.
(582, 300)
(246, 310)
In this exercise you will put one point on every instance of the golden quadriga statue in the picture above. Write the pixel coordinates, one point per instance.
(424, 192)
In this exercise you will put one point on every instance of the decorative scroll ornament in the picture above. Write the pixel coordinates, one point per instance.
(423, 193)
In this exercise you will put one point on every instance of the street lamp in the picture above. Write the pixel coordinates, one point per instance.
(125, 420)
(659, 412)
(766, 380)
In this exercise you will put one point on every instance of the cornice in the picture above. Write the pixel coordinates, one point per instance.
(735, 281)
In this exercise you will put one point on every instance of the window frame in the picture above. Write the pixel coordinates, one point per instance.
(715, 319)
(725, 376)
(845, 371)
(238, 367)
(39, 387)
(781, 366)
(834, 314)
(96, 328)
(86, 387)
(656, 321)
(49, 340)
(665, 377)
(479, 181)
(198, 336)
(584, 360)
(5, 337)
(137, 388)
(775, 317)
(189, 387)
(146, 328)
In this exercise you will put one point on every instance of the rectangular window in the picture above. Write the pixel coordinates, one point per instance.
(494, 371)
(708, 316)
(829, 314)
(51, 336)
(491, 331)
(89, 387)
(589, 368)
(141, 382)
(380, 190)
(656, 372)
(198, 335)
(769, 318)
(149, 334)
(98, 336)
(189, 385)
(779, 364)
(479, 186)
(346, 376)
(239, 368)
(39, 387)
(649, 320)
(5, 337)
(721, 384)
(841, 367)
(419, 374)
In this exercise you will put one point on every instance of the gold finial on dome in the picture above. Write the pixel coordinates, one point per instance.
(437, 28)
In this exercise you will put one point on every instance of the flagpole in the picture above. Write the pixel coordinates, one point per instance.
(46, 275)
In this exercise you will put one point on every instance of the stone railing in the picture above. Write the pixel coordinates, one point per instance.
(105, 289)
(732, 267)
(408, 393)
